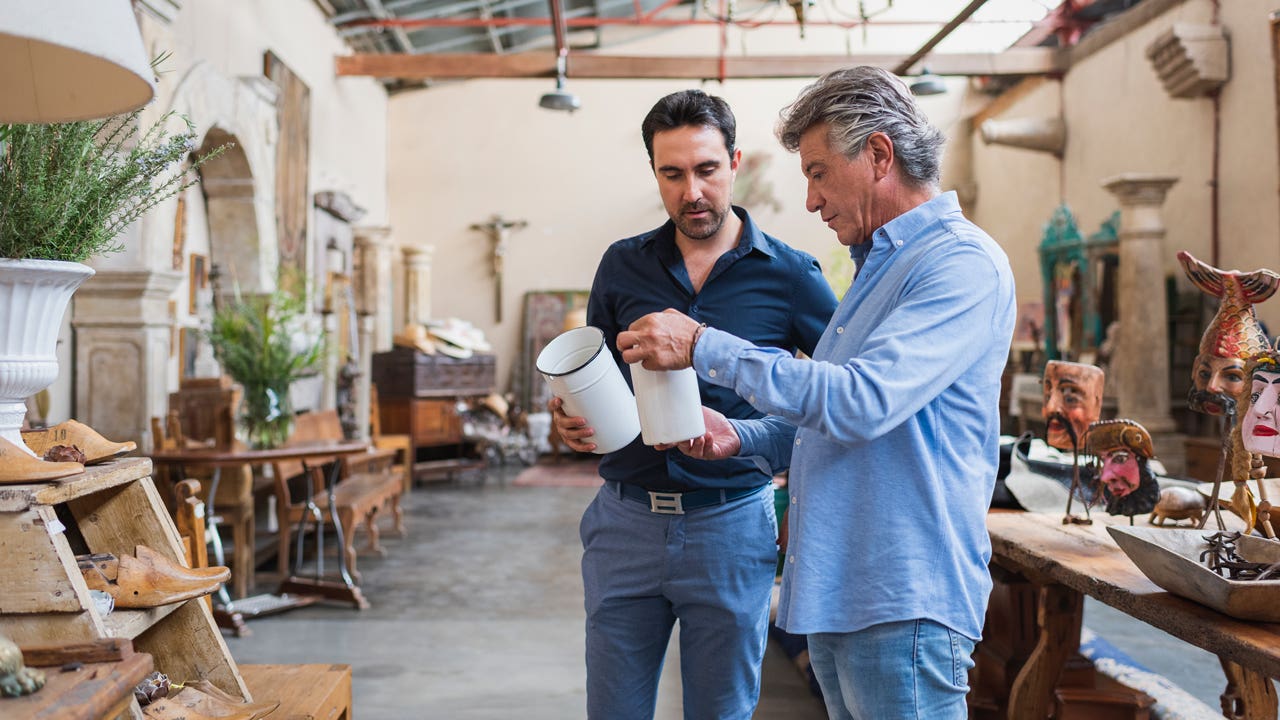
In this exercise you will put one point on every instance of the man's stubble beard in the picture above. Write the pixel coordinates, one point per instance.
(701, 230)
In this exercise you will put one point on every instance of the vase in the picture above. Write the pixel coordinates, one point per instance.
(265, 417)
(33, 298)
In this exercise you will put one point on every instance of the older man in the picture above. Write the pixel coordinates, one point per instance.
(896, 420)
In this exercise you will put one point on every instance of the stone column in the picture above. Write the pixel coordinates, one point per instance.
(122, 329)
(363, 383)
(374, 283)
(417, 284)
(1140, 368)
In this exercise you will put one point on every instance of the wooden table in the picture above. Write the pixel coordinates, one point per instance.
(296, 591)
(1070, 561)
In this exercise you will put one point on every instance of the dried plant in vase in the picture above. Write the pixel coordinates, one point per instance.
(264, 344)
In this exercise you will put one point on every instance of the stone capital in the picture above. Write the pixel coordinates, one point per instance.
(1138, 189)
(418, 255)
(373, 236)
(132, 297)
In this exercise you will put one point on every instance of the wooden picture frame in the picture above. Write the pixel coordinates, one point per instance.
(197, 280)
(188, 347)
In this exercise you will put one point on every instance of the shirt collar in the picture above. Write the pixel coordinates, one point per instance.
(752, 238)
(913, 222)
(907, 225)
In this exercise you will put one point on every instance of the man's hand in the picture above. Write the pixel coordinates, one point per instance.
(573, 430)
(662, 341)
(719, 442)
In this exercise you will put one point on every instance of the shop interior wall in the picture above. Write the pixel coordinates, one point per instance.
(465, 151)
(1120, 120)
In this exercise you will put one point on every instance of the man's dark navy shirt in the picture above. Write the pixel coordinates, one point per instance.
(763, 291)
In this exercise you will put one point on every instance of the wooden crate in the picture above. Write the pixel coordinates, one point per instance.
(405, 372)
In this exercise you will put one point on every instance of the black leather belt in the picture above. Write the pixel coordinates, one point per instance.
(675, 503)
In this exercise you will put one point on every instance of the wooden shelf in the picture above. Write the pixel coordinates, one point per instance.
(100, 688)
(111, 508)
(132, 623)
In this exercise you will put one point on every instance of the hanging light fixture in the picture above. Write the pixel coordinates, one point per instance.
(926, 83)
(560, 99)
(69, 60)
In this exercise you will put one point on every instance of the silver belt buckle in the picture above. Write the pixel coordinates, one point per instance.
(665, 503)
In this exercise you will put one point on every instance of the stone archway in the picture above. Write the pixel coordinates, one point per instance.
(235, 247)
(123, 321)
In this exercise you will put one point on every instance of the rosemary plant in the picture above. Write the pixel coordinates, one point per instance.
(67, 190)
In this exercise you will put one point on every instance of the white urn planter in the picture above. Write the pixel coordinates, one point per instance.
(33, 298)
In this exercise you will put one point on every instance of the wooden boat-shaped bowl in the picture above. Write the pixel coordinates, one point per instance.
(1170, 558)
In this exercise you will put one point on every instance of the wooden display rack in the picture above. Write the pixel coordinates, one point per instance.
(44, 599)
(114, 508)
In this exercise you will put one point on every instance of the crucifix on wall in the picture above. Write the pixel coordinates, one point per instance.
(499, 231)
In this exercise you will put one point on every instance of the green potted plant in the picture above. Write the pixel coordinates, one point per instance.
(264, 344)
(67, 190)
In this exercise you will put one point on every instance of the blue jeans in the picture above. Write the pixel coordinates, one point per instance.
(910, 670)
(712, 568)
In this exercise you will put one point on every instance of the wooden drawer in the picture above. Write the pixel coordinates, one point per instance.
(435, 422)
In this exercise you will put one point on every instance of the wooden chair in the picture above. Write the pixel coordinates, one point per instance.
(202, 412)
(368, 485)
(189, 517)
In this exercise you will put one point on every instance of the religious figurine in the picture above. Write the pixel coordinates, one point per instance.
(1219, 382)
(1072, 400)
(1123, 448)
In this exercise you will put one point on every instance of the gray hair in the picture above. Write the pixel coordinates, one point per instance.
(858, 101)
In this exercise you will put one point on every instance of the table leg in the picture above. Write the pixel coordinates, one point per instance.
(344, 591)
(1248, 695)
(1060, 616)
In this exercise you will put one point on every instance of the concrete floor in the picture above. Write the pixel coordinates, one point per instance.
(477, 614)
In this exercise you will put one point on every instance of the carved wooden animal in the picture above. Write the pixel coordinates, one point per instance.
(1178, 503)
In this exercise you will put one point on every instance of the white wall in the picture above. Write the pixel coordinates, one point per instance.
(464, 151)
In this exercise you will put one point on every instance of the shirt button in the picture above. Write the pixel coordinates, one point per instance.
(899, 243)
(797, 441)
(795, 500)
(840, 330)
(792, 559)
(751, 399)
(711, 372)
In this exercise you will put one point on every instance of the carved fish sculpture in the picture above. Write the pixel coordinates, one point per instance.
(1234, 331)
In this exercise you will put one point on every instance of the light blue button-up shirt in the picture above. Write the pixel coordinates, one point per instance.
(895, 456)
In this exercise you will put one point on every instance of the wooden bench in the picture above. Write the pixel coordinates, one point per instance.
(305, 692)
(368, 485)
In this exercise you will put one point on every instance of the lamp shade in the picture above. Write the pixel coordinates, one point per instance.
(69, 60)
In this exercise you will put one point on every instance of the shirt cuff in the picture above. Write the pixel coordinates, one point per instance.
(715, 356)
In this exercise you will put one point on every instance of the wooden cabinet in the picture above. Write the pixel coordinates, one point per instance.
(418, 396)
(109, 508)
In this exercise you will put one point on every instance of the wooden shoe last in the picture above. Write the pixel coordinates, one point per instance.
(147, 578)
(195, 703)
(71, 432)
(17, 466)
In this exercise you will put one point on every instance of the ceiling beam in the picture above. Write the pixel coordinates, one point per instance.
(581, 65)
(903, 67)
